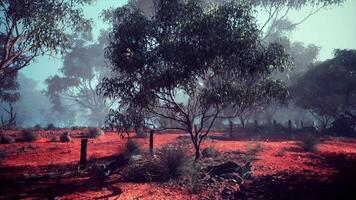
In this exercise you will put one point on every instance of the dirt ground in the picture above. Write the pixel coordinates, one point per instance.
(281, 169)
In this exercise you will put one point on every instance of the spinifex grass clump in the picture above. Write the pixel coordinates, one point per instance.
(309, 143)
(29, 136)
(169, 163)
(6, 139)
(95, 132)
(65, 137)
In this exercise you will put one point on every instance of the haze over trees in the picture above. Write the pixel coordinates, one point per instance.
(75, 85)
(328, 89)
(172, 66)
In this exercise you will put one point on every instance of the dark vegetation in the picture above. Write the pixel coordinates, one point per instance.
(180, 65)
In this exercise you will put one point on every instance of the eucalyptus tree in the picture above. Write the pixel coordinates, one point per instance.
(31, 28)
(188, 63)
(328, 89)
(83, 67)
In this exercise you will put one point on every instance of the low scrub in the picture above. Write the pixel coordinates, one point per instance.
(65, 137)
(170, 163)
(309, 143)
(29, 136)
(6, 139)
(132, 148)
(95, 132)
(51, 127)
(210, 152)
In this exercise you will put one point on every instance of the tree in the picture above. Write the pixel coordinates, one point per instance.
(275, 12)
(30, 28)
(8, 95)
(83, 67)
(328, 89)
(188, 63)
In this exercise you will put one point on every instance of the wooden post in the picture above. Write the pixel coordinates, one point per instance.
(83, 154)
(230, 129)
(151, 141)
(256, 125)
(274, 125)
(289, 125)
(301, 124)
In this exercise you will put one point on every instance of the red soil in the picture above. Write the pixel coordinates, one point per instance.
(275, 157)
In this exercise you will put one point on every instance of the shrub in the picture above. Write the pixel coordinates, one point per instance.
(65, 137)
(309, 143)
(51, 127)
(195, 183)
(210, 152)
(140, 133)
(132, 148)
(37, 127)
(95, 132)
(2, 155)
(53, 138)
(29, 136)
(6, 139)
(171, 163)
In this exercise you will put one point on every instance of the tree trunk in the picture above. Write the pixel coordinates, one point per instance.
(83, 154)
(197, 152)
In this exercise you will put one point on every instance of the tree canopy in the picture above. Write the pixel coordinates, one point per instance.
(29, 28)
(189, 62)
(328, 89)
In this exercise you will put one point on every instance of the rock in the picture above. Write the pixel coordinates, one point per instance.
(228, 167)
(65, 138)
(232, 176)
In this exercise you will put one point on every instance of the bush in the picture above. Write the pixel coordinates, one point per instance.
(37, 127)
(65, 137)
(195, 183)
(171, 163)
(95, 132)
(132, 148)
(53, 138)
(51, 127)
(29, 136)
(6, 139)
(140, 133)
(210, 152)
(309, 143)
(2, 155)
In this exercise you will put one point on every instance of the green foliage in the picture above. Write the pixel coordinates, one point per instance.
(29, 136)
(327, 89)
(36, 27)
(153, 61)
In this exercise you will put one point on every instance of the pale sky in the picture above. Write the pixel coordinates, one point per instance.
(330, 29)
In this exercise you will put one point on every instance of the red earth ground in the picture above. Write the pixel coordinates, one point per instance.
(281, 169)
